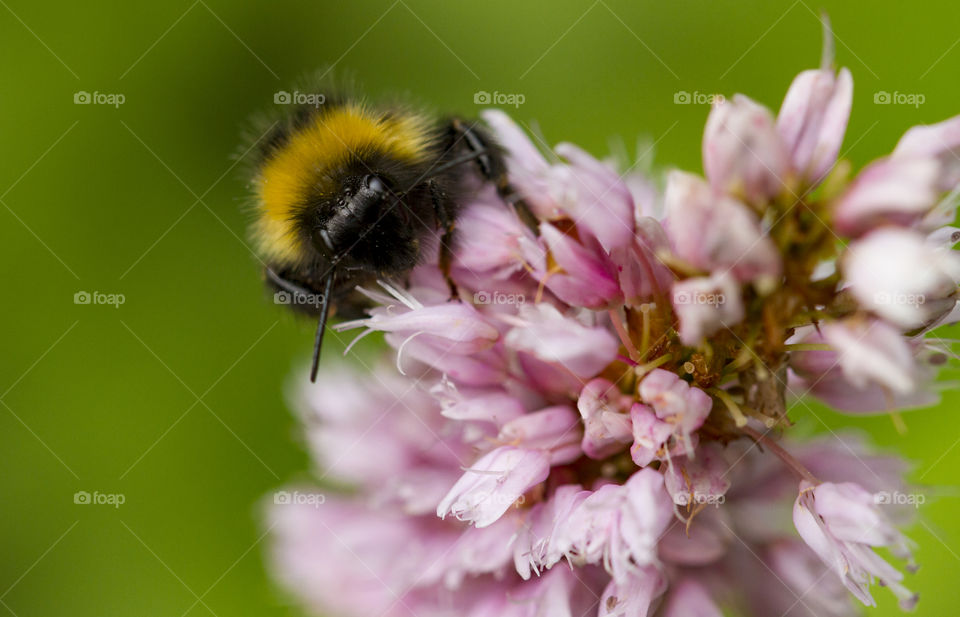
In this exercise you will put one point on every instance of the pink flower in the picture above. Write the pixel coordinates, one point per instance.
(484, 368)
(529, 172)
(645, 192)
(493, 242)
(676, 404)
(842, 524)
(618, 525)
(492, 484)
(339, 412)
(742, 152)
(873, 352)
(493, 406)
(903, 277)
(587, 191)
(800, 568)
(821, 374)
(701, 480)
(538, 545)
(673, 398)
(555, 430)
(717, 233)
(688, 598)
(650, 435)
(459, 328)
(364, 543)
(634, 596)
(643, 275)
(558, 592)
(935, 141)
(544, 332)
(595, 198)
(586, 277)
(837, 392)
(892, 190)
(606, 419)
(813, 120)
(705, 541)
(705, 305)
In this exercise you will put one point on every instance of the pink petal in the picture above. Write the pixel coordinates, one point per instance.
(491, 485)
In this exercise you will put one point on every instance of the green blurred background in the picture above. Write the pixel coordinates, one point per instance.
(175, 399)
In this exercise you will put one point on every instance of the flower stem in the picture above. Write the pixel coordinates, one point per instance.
(645, 335)
(624, 336)
(723, 395)
(785, 456)
(807, 347)
(643, 369)
(898, 422)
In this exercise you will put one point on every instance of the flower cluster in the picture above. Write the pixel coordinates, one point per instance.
(594, 425)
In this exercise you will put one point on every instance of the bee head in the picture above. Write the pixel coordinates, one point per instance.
(346, 186)
(369, 223)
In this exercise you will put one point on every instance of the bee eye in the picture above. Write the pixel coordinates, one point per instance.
(375, 183)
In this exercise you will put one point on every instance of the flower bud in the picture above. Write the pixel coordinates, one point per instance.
(742, 151)
(813, 120)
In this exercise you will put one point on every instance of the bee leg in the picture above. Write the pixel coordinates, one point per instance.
(321, 326)
(524, 213)
(323, 310)
(446, 239)
(285, 284)
(491, 167)
(489, 159)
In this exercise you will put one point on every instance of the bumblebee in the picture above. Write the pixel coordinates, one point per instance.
(347, 192)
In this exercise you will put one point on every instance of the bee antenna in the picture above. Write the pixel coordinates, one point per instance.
(321, 325)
